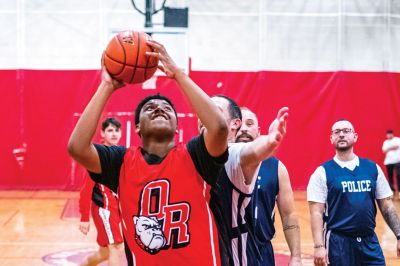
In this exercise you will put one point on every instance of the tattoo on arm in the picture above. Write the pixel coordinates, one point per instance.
(290, 227)
(391, 218)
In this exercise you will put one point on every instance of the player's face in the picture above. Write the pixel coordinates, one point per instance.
(111, 135)
(249, 130)
(343, 136)
(389, 135)
(157, 117)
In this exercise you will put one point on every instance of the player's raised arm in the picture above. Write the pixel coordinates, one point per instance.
(215, 136)
(264, 146)
(80, 145)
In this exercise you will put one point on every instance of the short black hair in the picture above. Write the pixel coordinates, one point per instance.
(152, 97)
(234, 109)
(389, 131)
(110, 121)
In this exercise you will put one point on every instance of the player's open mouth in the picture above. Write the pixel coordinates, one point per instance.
(160, 117)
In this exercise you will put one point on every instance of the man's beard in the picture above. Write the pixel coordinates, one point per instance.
(244, 137)
(343, 148)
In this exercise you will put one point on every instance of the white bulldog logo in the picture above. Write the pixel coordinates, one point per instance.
(149, 234)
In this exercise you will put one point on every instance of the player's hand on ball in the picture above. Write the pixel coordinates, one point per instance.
(168, 65)
(109, 81)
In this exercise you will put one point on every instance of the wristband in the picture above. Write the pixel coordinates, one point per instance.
(318, 246)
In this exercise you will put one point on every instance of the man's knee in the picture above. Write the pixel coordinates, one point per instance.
(117, 247)
(104, 252)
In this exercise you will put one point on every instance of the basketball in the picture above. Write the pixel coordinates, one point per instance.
(125, 57)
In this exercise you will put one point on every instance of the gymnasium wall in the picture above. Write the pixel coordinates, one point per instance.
(324, 59)
(52, 101)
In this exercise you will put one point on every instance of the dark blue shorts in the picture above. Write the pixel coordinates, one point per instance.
(260, 255)
(344, 250)
(267, 255)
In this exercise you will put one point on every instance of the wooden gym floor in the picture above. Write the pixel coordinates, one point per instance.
(34, 224)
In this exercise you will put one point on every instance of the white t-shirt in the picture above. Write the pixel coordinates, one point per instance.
(234, 170)
(317, 190)
(392, 156)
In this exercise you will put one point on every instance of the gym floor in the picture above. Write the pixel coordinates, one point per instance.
(41, 228)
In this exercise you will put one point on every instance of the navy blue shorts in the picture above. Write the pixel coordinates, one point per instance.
(344, 250)
(261, 255)
(267, 255)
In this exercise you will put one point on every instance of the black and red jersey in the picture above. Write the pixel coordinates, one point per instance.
(165, 215)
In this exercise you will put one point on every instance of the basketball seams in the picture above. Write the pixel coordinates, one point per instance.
(146, 66)
(141, 67)
(116, 61)
(147, 63)
(123, 65)
(149, 70)
(137, 55)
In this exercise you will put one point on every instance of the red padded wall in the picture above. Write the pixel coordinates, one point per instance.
(38, 109)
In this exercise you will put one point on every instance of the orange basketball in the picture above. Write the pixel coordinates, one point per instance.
(125, 57)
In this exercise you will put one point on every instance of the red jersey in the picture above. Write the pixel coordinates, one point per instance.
(165, 215)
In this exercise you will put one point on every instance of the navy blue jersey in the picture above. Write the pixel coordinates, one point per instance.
(350, 207)
(261, 211)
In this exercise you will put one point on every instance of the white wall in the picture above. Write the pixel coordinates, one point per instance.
(222, 34)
